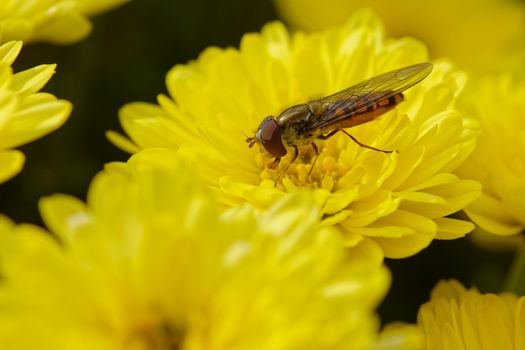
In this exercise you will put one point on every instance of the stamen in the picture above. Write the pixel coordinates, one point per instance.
(300, 172)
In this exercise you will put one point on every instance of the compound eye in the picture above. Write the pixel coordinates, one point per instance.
(269, 134)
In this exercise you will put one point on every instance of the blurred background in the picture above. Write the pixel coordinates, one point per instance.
(125, 59)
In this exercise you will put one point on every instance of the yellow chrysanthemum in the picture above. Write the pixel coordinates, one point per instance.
(25, 113)
(397, 201)
(56, 21)
(498, 161)
(486, 35)
(149, 263)
(461, 319)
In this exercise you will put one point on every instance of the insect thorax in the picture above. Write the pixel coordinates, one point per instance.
(297, 134)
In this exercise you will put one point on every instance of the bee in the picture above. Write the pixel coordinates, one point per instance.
(322, 118)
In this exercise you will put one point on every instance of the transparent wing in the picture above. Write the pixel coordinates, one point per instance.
(369, 92)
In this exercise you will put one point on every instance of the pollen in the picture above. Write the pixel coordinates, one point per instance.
(308, 169)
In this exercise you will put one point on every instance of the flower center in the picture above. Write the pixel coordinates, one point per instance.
(155, 333)
(308, 169)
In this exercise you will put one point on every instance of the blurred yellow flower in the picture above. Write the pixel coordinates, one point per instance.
(400, 336)
(498, 161)
(396, 202)
(461, 319)
(149, 263)
(486, 35)
(25, 113)
(56, 21)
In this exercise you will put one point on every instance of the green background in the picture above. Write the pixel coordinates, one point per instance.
(125, 59)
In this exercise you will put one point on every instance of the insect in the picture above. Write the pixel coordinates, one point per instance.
(322, 118)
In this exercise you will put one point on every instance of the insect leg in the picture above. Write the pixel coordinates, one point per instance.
(316, 150)
(333, 132)
(362, 144)
(295, 154)
(327, 136)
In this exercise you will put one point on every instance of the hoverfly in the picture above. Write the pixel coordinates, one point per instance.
(322, 118)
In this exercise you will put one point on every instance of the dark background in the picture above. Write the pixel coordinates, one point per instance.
(126, 59)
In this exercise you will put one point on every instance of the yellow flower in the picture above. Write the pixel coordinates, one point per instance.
(56, 21)
(149, 263)
(498, 161)
(25, 113)
(396, 201)
(461, 319)
(484, 35)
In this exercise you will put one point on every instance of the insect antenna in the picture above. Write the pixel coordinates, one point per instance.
(251, 140)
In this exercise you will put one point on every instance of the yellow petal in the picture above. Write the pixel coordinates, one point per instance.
(448, 228)
(367, 250)
(437, 180)
(495, 326)
(15, 29)
(339, 200)
(400, 336)
(448, 289)
(290, 215)
(458, 195)
(421, 232)
(514, 202)
(9, 51)
(32, 80)
(262, 196)
(92, 8)
(36, 118)
(11, 163)
(489, 214)
(63, 29)
(8, 103)
(141, 121)
(421, 197)
(122, 142)
(62, 213)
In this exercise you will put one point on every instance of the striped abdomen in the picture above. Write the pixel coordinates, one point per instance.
(352, 114)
